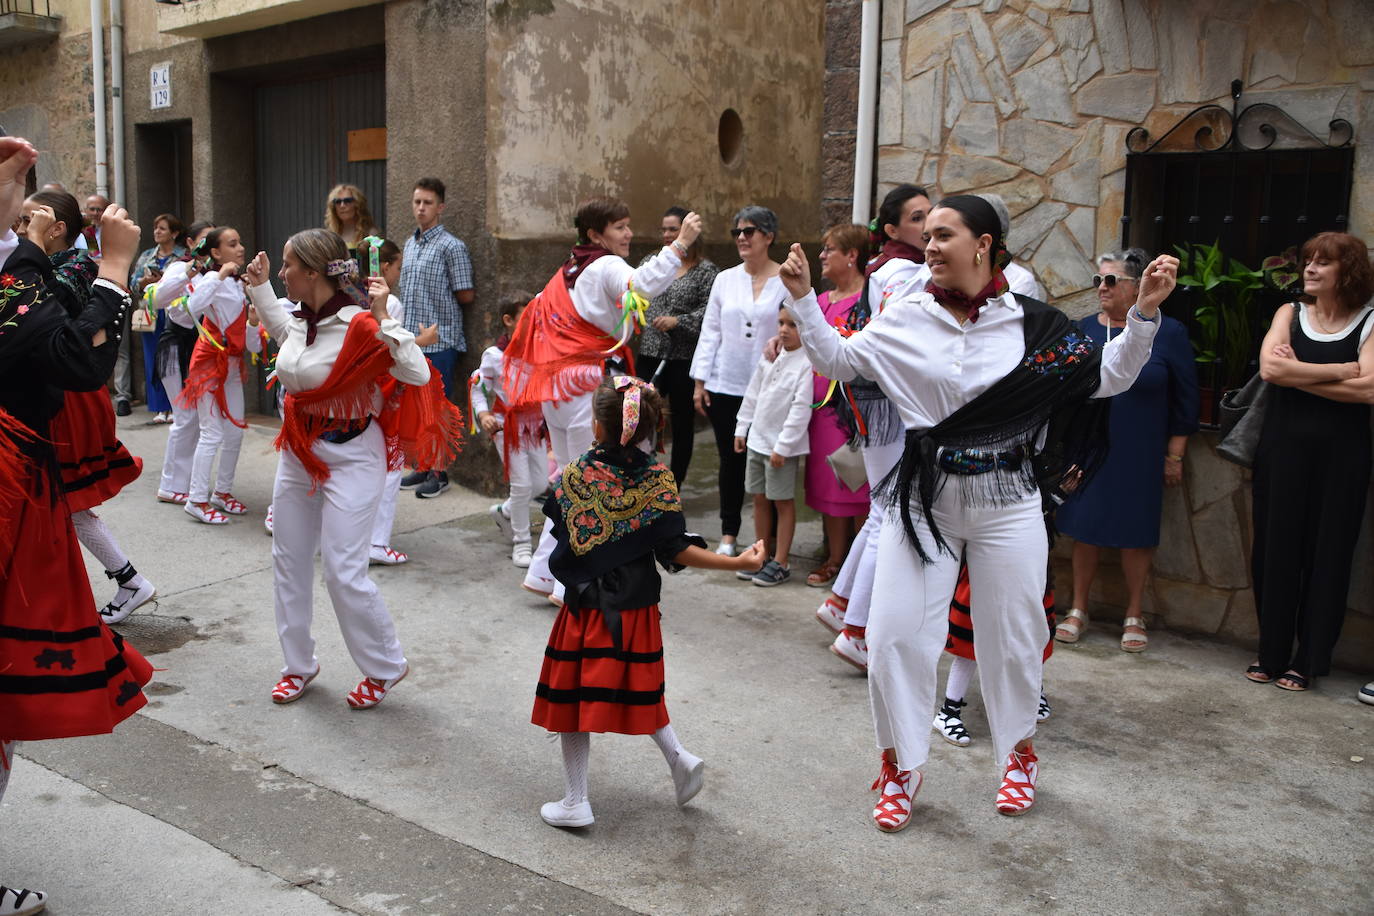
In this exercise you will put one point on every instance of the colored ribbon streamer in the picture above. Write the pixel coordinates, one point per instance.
(632, 309)
(374, 257)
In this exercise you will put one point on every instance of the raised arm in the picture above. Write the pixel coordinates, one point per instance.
(831, 354)
(408, 364)
(273, 313)
(1125, 356)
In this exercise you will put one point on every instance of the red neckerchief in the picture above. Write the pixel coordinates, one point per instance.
(952, 298)
(313, 318)
(502, 342)
(894, 249)
(582, 255)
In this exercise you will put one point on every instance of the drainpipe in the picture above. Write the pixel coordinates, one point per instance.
(117, 96)
(866, 128)
(102, 181)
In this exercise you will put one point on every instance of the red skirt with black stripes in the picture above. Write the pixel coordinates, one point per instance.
(589, 685)
(95, 464)
(63, 673)
(960, 639)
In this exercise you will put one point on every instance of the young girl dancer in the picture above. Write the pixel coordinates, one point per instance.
(337, 358)
(614, 513)
(174, 347)
(94, 464)
(976, 374)
(214, 384)
(525, 463)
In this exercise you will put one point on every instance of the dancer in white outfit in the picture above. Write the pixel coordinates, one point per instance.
(334, 358)
(977, 374)
(214, 383)
(586, 314)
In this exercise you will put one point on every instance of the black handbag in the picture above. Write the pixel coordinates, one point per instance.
(1242, 418)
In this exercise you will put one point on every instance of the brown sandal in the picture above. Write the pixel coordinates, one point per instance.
(823, 575)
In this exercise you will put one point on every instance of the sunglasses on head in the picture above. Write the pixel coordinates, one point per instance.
(746, 231)
(1110, 280)
(344, 200)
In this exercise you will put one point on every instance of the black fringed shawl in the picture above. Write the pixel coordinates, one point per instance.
(1053, 384)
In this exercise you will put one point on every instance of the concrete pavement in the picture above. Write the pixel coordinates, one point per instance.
(1168, 782)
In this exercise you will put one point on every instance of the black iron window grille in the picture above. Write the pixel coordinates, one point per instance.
(25, 6)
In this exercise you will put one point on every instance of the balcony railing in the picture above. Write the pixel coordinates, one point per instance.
(32, 7)
(27, 21)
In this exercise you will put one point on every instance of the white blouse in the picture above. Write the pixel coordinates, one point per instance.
(222, 301)
(776, 410)
(891, 280)
(734, 330)
(596, 294)
(930, 365)
(488, 377)
(175, 283)
(302, 368)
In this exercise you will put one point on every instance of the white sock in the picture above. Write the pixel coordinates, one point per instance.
(960, 674)
(667, 742)
(96, 537)
(577, 752)
(6, 761)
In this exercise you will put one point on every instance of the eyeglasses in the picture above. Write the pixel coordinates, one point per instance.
(344, 200)
(746, 231)
(1111, 280)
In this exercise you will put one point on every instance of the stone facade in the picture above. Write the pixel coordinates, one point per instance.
(1033, 100)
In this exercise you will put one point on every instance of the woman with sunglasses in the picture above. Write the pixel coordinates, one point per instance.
(346, 214)
(741, 315)
(1150, 425)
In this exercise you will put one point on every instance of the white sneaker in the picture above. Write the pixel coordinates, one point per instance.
(687, 772)
(561, 814)
(538, 584)
(853, 649)
(831, 615)
(386, 556)
(502, 520)
(18, 902)
(728, 549)
(207, 514)
(521, 554)
(125, 601)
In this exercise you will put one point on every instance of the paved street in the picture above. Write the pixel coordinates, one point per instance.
(1168, 784)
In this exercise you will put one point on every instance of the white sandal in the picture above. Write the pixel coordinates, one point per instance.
(1066, 633)
(1138, 640)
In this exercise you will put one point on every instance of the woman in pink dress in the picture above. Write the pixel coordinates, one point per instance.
(844, 251)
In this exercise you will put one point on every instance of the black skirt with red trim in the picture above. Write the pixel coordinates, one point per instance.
(95, 464)
(960, 639)
(587, 684)
(63, 673)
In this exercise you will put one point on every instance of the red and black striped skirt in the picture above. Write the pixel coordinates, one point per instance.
(63, 673)
(589, 685)
(95, 464)
(960, 639)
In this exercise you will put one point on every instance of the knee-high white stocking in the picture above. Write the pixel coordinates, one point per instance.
(667, 742)
(96, 537)
(6, 761)
(577, 751)
(960, 674)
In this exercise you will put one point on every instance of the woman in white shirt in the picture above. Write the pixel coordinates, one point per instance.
(214, 383)
(740, 317)
(334, 457)
(977, 375)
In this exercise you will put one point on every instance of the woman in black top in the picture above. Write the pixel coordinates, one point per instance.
(670, 339)
(1313, 461)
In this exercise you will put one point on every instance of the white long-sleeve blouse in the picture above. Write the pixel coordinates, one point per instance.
(221, 299)
(597, 291)
(735, 329)
(930, 365)
(302, 367)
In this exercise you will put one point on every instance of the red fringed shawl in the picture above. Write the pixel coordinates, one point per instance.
(423, 428)
(555, 354)
(14, 479)
(210, 365)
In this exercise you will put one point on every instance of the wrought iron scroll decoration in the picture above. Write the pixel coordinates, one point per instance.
(1219, 129)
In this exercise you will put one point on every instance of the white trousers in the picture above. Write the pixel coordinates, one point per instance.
(1007, 552)
(878, 461)
(529, 474)
(570, 434)
(181, 440)
(386, 509)
(337, 520)
(218, 436)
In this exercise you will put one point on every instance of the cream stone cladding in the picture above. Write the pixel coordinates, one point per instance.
(1034, 100)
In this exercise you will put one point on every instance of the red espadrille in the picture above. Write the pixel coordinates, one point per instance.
(371, 691)
(1017, 794)
(893, 810)
(291, 686)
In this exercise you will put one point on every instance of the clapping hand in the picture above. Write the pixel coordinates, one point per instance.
(796, 272)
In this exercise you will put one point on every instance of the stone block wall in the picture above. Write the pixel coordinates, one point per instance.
(1033, 100)
(1201, 581)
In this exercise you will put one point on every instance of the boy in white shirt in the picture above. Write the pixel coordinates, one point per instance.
(525, 456)
(772, 426)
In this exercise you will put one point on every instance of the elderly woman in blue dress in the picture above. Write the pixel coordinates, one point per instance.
(1150, 424)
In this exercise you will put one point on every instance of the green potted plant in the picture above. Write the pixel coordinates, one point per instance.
(1225, 290)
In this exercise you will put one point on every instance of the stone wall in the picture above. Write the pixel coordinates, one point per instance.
(1033, 100)
(1201, 581)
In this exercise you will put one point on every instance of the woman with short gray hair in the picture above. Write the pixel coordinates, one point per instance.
(741, 316)
(1150, 424)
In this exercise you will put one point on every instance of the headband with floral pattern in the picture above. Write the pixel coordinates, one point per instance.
(629, 408)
